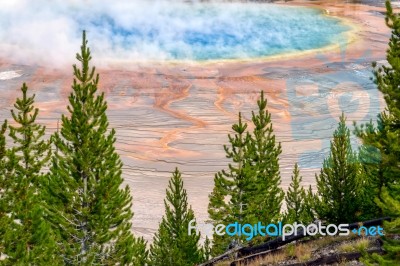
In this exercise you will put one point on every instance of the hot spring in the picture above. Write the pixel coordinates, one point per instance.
(162, 30)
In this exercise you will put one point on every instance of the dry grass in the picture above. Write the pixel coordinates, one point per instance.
(223, 263)
(359, 245)
(303, 252)
(270, 259)
(290, 250)
(346, 248)
(363, 244)
(328, 240)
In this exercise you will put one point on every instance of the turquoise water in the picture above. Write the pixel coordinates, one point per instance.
(42, 31)
(220, 31)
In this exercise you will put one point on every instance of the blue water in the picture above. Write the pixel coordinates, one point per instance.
(159, 30)
(179, 31)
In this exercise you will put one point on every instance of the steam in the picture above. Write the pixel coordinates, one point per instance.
(49, 32)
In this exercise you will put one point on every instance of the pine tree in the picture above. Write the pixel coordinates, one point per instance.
(3, 143)
(381, 151)
(135, 246)
(296, 198)
(338, 182)
(384, 141)
(28, 238)
(249, 191)
(263, 153)
(309, 213)
(89, 209)
(3, 153)
(391, 206)
(3, 212)
(370, 184)
(229, 198)
(172, 244)
(378, 160)
(207, 249)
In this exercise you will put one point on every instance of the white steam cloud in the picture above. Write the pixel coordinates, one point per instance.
(49, 32)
